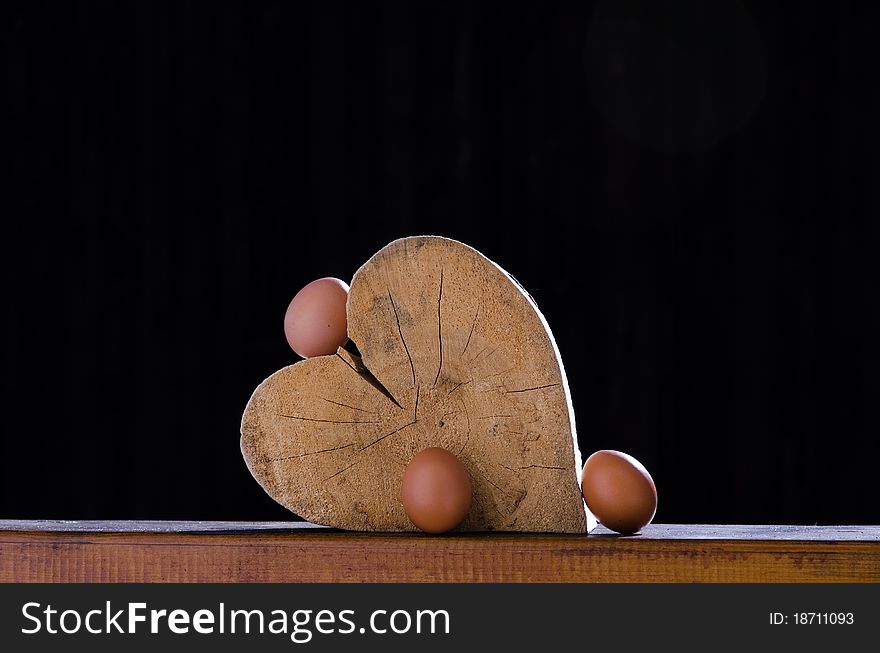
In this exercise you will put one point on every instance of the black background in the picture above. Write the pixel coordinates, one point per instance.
(689, 190)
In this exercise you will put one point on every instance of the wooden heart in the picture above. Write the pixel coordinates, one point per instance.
(452, 353)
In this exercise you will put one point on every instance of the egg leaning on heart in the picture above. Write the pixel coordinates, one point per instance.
(315, 323)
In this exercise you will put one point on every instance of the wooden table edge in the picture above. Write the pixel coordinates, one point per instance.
(305, 554)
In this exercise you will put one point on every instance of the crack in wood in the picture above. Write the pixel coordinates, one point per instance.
(347, 363)
(339, 403)
(478, 355)
(500, 489)
(473, 324)
(522, 490)
(459, 385)
(538, 387)
(416, 409)
(344, 469)
(311, 453)
(467, 440)
(482, 351)
(440, 328)
(412, 439)
(361, 370)
(491, 505)
(327, 421)
(402, 339)
(379, 439)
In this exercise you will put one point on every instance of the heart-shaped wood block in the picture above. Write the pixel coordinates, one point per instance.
(453, 353)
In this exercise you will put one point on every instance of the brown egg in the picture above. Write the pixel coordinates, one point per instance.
(436, 490)
(315, 322)
(619, 491)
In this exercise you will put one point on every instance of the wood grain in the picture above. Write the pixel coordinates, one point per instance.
(53, 551)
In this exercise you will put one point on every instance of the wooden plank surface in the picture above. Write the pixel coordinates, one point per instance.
(154, 551)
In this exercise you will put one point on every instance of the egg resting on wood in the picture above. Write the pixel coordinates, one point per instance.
(619, 491)
(436, 490)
